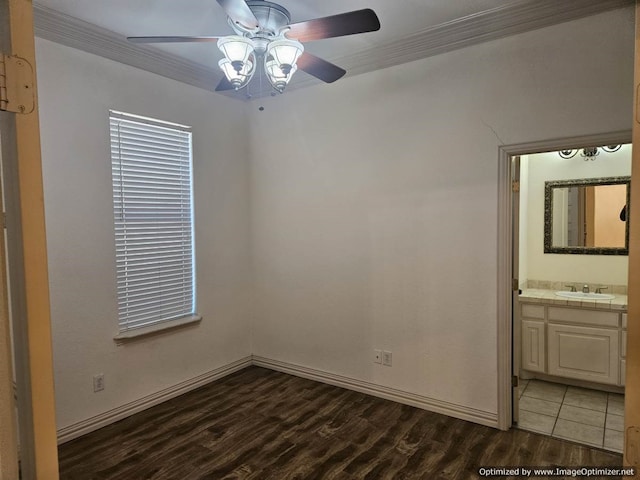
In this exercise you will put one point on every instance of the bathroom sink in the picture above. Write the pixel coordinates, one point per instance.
(585, 296)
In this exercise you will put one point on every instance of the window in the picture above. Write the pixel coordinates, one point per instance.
(153, 216)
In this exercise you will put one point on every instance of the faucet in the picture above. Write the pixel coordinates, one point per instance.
(585, 288)
(572, 287)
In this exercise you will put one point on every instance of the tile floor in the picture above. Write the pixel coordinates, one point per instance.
(581, 415)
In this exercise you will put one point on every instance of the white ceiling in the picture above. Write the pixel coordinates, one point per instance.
(410, 29)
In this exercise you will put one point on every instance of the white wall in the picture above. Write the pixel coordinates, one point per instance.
(76, 92)
(374, 202)
(603, 269)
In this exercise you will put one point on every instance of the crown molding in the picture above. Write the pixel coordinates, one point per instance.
(72, 32)
(510, 19)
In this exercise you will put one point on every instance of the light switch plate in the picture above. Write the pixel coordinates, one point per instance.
(386, 358)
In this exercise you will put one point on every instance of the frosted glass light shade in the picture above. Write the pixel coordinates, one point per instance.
(237, 78)
(285, 52)
(236, 48)
(277, 77)
(280, 61)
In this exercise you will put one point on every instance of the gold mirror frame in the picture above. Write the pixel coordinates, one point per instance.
(548, 216)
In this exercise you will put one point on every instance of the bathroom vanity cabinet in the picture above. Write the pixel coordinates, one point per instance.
(583, 343)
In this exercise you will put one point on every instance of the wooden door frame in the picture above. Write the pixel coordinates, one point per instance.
(505, 252)
(27, 258)
(516, 331)
(8, 427)
(632, 382)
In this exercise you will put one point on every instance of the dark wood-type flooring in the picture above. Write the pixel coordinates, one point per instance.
(260, 424)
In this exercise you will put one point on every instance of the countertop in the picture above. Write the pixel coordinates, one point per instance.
(536, 295)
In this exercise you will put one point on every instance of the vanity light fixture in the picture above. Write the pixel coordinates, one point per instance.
(589, 153)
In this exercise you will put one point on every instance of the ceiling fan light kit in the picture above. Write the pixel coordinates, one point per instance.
(265, 36)
(279, 60)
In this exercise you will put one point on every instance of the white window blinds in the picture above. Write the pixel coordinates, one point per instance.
(152, 202)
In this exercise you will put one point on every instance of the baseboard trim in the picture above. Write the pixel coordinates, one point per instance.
(462, 412)
(94, 423)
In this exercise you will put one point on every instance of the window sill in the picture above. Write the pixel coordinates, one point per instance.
(131, 335)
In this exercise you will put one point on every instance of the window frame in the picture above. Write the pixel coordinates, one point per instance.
(127, 296)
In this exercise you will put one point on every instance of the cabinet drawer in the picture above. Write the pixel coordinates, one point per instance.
(585, 317)
(532, 311)
(585, 353)
(623, 371)
(623, 344)
(624, 320)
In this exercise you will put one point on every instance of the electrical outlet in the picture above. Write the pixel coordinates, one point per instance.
(377, 356)
(98, 382)
(386, 358)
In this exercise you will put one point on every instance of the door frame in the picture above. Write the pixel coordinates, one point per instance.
(632, 391)
(9, 456)
(516, 331)
(506, 217)
(27, 249)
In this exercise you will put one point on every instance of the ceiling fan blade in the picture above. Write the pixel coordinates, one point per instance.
(240, 13)
(358, 21)
(180, 39)
(319, 68)
(224, 85)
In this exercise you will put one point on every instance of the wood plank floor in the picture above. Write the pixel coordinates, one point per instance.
(260, 424)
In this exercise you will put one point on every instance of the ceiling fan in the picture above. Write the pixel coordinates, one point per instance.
(265, 34)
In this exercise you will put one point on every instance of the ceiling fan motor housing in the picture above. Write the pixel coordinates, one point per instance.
(271, 17)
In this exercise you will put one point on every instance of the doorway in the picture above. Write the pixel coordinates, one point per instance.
(510, 284)
(571, 259)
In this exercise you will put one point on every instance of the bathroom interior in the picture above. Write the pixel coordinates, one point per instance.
(569, 319)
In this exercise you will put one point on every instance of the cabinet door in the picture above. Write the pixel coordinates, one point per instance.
(585, 353)
(623, 354)
(533, 345)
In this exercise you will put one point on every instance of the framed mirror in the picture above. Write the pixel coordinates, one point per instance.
(587, 216)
